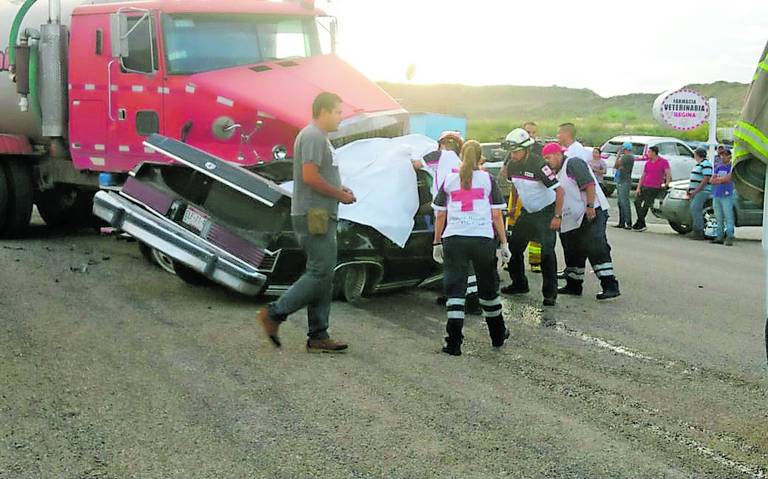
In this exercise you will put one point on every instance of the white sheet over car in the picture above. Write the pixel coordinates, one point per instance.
(380, 173)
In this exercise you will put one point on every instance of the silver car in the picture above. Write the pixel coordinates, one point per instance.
(675, 208)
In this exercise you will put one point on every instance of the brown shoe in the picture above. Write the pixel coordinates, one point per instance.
(270, 327)
(326, 346)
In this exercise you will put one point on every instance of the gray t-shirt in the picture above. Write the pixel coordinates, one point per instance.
(625, 170)
(312, 146)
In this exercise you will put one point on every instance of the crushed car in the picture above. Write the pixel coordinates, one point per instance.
(221, 223)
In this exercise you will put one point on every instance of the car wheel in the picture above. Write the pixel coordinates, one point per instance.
(189, 275)
(680, 228)
(350, 283)
(608, 189)
(146, 252)
(710, 222)
(165, 262)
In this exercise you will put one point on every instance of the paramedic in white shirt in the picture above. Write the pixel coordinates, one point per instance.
(468, 227)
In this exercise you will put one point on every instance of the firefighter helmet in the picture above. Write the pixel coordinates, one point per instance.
(517, 139)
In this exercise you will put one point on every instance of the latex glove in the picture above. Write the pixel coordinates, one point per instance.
(437, 253)
(504, 254)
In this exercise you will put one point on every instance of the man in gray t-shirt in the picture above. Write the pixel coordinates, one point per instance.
(312, 146)
(317, 192)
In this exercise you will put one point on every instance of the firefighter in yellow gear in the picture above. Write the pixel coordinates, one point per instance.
(534, 249)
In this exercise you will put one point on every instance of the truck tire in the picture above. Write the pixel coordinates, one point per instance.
(350, 282)
(190, 276)
(64, 206)
(3, 196)
(680, 228)
(20, 198)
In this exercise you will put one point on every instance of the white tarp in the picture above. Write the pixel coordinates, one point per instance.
(380, 173)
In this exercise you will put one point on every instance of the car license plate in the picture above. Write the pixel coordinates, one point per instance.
(194, 219)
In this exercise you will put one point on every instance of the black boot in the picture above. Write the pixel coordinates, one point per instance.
(455, 338)
(610, 289)
(472, 305)
(573, 288)
(497, 330)
(515, 289)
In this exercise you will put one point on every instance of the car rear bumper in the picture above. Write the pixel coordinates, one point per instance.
(178, 243)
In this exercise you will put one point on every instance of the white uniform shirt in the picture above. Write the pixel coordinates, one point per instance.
(575, 176)
(469, 212)
(577, 150)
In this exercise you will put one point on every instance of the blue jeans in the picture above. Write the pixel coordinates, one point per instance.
(625, 210)
(314, 290)
(697, 210)
(725, 215)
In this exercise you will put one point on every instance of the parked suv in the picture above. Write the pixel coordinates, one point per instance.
(679, 155)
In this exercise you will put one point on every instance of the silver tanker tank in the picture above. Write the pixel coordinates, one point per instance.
(13, 120)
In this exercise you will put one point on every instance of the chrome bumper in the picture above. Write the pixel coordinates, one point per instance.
(178, 243)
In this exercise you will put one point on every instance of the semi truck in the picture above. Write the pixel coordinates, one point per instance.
(88, 82)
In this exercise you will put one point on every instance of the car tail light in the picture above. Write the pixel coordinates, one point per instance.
(237, 246)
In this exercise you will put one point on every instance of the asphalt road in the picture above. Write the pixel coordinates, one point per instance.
(110, 368)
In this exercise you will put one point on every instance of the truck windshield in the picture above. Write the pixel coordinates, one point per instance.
(198, 43)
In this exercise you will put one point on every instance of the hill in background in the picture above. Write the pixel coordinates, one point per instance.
(494, 110)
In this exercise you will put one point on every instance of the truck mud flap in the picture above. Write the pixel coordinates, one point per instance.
(178, 243)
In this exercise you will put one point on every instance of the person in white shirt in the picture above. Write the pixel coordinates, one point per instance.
(441, 163)
(468, 226)
(582, 231)
(566, 136)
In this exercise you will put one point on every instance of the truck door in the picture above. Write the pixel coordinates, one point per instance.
(136, 90)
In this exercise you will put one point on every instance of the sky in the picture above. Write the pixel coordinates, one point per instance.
(611, 47)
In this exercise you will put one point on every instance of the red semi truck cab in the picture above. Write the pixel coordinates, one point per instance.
(234, 78)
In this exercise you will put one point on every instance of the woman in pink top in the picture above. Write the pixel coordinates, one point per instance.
(656, 176)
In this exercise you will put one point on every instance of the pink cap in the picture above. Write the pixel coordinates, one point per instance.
(550, 148)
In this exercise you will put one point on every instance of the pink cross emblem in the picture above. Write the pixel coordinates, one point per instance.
(467, 197)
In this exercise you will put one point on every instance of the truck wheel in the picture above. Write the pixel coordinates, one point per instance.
(3, 197)
(350, 283)
(20, 196)
(64, 206)
(189, 275)
(680, 228)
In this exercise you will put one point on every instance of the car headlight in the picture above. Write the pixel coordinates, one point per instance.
(279, 152)
(678, 194)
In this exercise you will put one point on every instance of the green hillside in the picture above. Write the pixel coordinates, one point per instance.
(494, 110)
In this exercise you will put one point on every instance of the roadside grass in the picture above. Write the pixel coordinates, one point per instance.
(592, 131)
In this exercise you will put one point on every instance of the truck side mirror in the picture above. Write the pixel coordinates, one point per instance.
(118, 34)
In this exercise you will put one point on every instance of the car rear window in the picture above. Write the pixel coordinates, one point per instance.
(613, 147)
